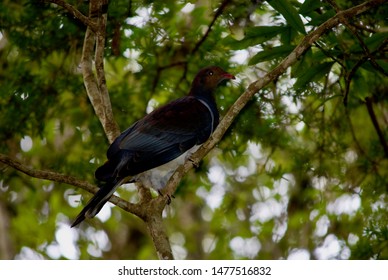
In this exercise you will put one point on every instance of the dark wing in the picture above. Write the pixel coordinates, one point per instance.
(158, 138)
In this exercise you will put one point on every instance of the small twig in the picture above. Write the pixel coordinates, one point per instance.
(209, 28)
(349, 77)
(353, 30)
(185, 69)
(325, 52)
(75, 13)
(372, 115)
(358, 145)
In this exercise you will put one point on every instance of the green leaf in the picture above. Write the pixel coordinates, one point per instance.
(276, 52)
(288, 36)
(289, 13)
(309, 6)
(371, 68)
(312, 74)
(302, 63)
(264, 32)
(254, 36)
(317, 19)
(373, 42)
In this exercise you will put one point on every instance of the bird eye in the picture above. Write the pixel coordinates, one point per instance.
(211, 73)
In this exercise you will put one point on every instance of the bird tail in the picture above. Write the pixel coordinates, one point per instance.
(95, 204)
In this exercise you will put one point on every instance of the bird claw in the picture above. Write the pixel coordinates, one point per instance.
(194, 163)
(168, 197)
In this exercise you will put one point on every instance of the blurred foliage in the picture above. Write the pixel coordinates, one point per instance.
(302, 173)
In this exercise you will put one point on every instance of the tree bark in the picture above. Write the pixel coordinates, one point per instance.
(96, 86)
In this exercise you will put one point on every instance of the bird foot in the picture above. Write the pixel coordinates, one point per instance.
(194, 163)
(168, 197)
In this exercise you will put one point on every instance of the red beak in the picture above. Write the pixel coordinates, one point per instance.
(226, 75)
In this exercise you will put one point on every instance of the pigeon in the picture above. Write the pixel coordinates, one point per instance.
(152, 148)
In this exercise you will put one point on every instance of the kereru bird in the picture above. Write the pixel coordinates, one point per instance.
(152, 148)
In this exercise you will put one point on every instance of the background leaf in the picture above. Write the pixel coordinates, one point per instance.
(273, 53)
(289, 12)
(312, 73)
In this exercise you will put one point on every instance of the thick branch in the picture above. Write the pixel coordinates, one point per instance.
(96, 86)
(110, 126)
(253, 88)
(75, 13)
(159, 237)
(156, 228)
(95, 37)
(69, 180)
(90, 81)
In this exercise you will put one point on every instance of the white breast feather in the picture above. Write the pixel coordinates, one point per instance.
(158, 177)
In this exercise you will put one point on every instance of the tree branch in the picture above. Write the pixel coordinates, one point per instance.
(156, 228)
(209, 28)
(254, 87)
(110, 126)
(75, 13)
(353, 30)
(372, 115)
(349, 78)
(96, 87)
(219, 12)
(69, 180)
(148, 209)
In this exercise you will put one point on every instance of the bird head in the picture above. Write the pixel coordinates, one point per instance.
(208, 79)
